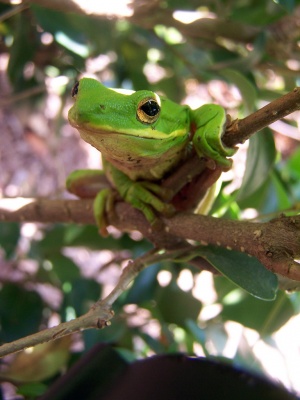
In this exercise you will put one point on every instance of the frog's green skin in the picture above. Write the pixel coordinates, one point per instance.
(142, 137)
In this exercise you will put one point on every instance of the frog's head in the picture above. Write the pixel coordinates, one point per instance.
(115, 120)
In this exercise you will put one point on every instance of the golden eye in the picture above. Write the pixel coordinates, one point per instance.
(148, 111)
(75, 89)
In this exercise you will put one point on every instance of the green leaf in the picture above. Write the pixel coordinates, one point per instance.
(223, 286)
(93, 36)
(53, 240)
(32, 389)
(293, 164)
(83, 292)
(22, 50)
(246, 272)
(176, 306)
(289, 5)
(197, 333)
(115, 333)
(65, 268)
(44, 361)
(263, 316)
(260, 200)
(154, 344)
(9, 237)
(260, 159)
(20, 312)
(283, 201)
(144, 286)
(64, 28)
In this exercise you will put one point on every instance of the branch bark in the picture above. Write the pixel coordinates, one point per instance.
(276, 244)
(241, 129)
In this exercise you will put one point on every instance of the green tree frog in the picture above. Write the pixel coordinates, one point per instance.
(142, 137)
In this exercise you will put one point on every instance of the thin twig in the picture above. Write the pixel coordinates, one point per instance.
(100, 313)
(241, 129)
(95, 318)
(13, 11)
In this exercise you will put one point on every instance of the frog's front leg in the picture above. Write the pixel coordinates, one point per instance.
(92, 183)
(210, 124)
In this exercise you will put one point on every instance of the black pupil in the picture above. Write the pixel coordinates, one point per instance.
(151, 108)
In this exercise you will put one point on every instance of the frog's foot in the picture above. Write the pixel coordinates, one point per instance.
(142, 196)
(211, 125)
(146, 196)
(103, 205)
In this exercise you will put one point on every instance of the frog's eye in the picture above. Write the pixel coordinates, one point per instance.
(75, 89)
(148, 111)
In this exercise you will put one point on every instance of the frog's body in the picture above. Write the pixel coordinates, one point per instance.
(143, 137)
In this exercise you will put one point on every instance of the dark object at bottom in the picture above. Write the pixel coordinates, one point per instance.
(103, 374)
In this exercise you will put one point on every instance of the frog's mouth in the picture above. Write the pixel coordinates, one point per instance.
(115, 144)
(143, 133)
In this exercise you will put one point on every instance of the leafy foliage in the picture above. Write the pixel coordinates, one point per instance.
(54, 273)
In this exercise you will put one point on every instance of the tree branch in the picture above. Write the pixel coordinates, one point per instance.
(276, 244)
(241, 129)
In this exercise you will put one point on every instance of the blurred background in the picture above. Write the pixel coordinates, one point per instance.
(241, 55)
